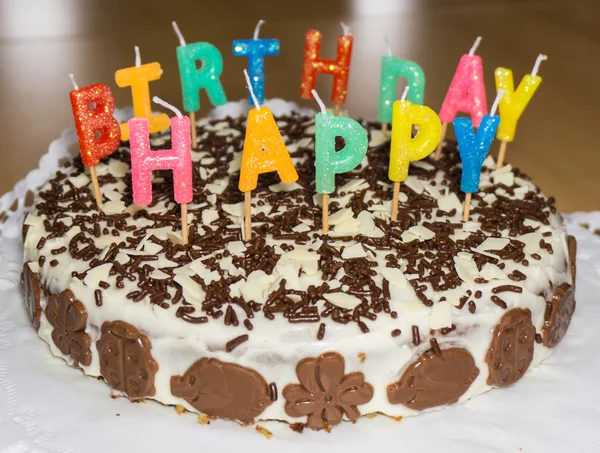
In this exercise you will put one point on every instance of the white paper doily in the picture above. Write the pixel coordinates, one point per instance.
(46, 406)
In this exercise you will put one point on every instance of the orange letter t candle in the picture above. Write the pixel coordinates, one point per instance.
(138, 78)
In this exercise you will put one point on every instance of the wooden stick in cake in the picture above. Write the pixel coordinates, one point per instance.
(393, 68)
(473, 148)
(513, 102)
(178, 159)
(98, 132)
(405, 148)
(264, 152)
(328, 161)
(194, 134)
(339, 68)
(196, 77)
(465, 94)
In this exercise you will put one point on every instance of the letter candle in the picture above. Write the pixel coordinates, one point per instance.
(264, 151)
(392, 68)
(404, 147)
(93, 108)
(465, 94)
(473, 149)
(138, 78)
(256, 50)
(193, 79)
(178, 159)
(513, 102)
(339, 68)
(328, 162)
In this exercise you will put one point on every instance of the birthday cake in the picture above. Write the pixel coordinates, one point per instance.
(292, 324)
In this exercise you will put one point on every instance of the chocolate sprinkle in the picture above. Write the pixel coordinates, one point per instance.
(499, 302)
(321, 332)
(232, 344)
(273, 391)
(435, 347)
(507, 288)
(416, 336)
(98, 297)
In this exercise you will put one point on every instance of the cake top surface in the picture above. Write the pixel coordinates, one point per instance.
(429, 265)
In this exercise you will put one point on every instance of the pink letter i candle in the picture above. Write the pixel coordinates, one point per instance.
(178, 159)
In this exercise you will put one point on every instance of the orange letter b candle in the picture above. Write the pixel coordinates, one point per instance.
(264, 151)
(138, 78)
(339, 68)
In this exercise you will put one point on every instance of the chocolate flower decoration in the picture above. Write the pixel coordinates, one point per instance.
(68, 316)
(325, 394)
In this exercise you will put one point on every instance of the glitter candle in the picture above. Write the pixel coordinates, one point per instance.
(393, 68)
(513, 102)
(339, 68)
(406, 148)
(144, 161)
(138, 78)
(467, 91)
(98, 131)
(256, 50)
(328, 161)
(205, 76)
(264, 151)
(473, 148)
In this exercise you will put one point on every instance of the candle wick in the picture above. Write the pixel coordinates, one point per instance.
(404, 93)
(138, 59)
(256, 104)
(538, 62)
(497, 101)
(174, 109)
(178, 33)
(346, 29)
(387, 44)
(319, 101)
(475, 46)
(257, 29)
(72, 77)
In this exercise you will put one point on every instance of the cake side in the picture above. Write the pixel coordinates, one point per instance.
(373, 303)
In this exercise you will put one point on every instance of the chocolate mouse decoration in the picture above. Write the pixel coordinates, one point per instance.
(223, 389)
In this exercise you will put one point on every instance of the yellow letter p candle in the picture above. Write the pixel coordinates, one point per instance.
(404, 147)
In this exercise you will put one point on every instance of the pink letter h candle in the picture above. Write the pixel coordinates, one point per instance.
(144, 161)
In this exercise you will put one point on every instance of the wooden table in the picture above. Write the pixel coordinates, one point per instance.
(42, 41)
